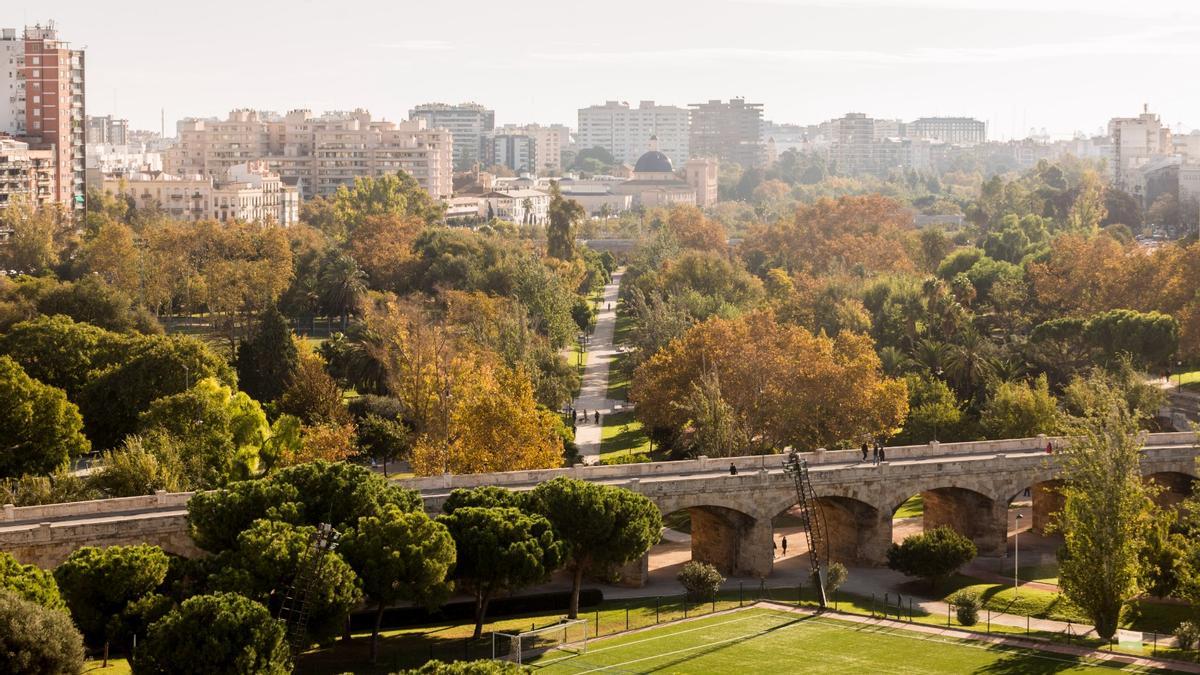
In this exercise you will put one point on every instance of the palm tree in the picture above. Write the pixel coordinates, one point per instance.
(931, 354)
(894, 361)
(970, 363)
(342, 284)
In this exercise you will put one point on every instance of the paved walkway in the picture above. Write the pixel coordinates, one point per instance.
(593, 391)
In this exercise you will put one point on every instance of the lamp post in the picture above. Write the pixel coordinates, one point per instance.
(1017, 557)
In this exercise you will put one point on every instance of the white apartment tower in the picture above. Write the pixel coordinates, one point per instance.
(1135, 141)
(625, 132)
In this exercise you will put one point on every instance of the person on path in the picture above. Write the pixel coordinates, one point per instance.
(774, 548)
(1049, 447)
(882, 456)
(864, 451)
(585, 415)
(785, 544)
(597, 417)
(732, 469)
(875, 455)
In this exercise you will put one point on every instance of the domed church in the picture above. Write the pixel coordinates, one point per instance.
(655, 182)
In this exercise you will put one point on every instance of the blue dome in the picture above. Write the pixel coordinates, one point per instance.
(654, 162)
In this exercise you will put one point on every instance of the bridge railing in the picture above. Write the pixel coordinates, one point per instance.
(754, 462)
(94, 507)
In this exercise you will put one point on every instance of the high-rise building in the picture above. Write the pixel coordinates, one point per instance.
(548, 145)
(319, 153)
(468, 123)
(107, 129)
(730, 132)
(1135, 141)
(853, 144)
(626, 132)
(516, 151)
(954, 130)
(41, 103)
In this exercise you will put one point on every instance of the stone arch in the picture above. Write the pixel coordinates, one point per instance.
(977, 516)
(857, 532)
(1175, 486)
(727, 538)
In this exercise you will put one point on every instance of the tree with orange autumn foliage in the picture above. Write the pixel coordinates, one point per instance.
(382, 244)
(786, 386)
(868, 231)
(692, 229)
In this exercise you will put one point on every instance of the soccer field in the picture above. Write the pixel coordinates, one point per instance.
(762, 640)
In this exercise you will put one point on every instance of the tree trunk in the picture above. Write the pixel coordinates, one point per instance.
(375, 633)
(576, 583)
(481, 604)
(346, 637)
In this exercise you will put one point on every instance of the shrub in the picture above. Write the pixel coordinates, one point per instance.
(835, 575)
(635, 458)
(966, 607)
(35, 640)
(220, 633)
(29, 582)
(1187, 635)
(466, 668)
(932, 555)
(701, 580)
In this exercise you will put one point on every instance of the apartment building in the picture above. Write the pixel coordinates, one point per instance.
(468, 123)
(728, 131)
(25, 174)
(42, 103)
(516, 151)
(955, 130)
(521, 206)
(548, 144)
(625, 132)
(1135, 141)
(319, 154)
(108, 130)
(248, 192)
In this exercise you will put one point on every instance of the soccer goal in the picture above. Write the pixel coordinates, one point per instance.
(568, 635)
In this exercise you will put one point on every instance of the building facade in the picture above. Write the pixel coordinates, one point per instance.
(107, 130)
(625, 132)
(548, 143)
(521, 206)
(25, 175)
(42, 103)
(468, 123)
(248, 192)
(955, 130)
(1135, 141)
(516, 151)
(728, 131)
(320, 154)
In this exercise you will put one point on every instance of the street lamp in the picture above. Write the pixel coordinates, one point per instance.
(1017, 557)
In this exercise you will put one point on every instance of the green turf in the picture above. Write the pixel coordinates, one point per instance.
(761, 640)
(621, 435)
(913, 508)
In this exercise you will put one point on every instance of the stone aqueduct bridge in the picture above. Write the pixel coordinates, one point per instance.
(967, 486)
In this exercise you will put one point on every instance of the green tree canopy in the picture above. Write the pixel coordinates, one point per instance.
(62, 353)
(560, 232)
(499, 549)
(30, 582)
(265, 562)
(37, 640)
(932, 555)
(219, 429)
(599, 525)
(1021, 410)
(218, 633)
(40, 428)
(485, 496)
(98, 583)
(268, 360)
(399, 555)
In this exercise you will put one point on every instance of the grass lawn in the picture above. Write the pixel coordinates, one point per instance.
(761, 639)
(913, 508)
(620, 371)
(115, 667)
(622, 435)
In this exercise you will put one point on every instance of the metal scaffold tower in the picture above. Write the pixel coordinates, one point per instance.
(813, 520)
(296, 600)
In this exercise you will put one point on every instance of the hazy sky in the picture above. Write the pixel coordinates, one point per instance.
(1062, 65)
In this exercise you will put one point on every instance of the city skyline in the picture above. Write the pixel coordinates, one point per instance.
(901, 59)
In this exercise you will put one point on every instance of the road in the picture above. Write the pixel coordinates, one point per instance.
(593, 391)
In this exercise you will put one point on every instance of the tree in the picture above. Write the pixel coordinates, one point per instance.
(385, 440)
(1021, 410)
(154, 367)
(93, 301)
(397, 194)
(934, 412)
(399, 556)
(560, 232)
(265, 562)
(600, 526)
(218, 633)
(382, 244)
(37, 640)
(499, 549)
(40, 428)
(484, 496)
(308, 494)
(97, 583)
(932, 555)
(1088, 209)
(220, 430)
(715, 431)
(787, 386)
(269, 359)
(37, 237)
(29, 582)
(495, 425)
(112, 255)
(342, 285)
(60, 352)
(312, 395)
(1104, 518)
(691, 229)
(141, 466)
